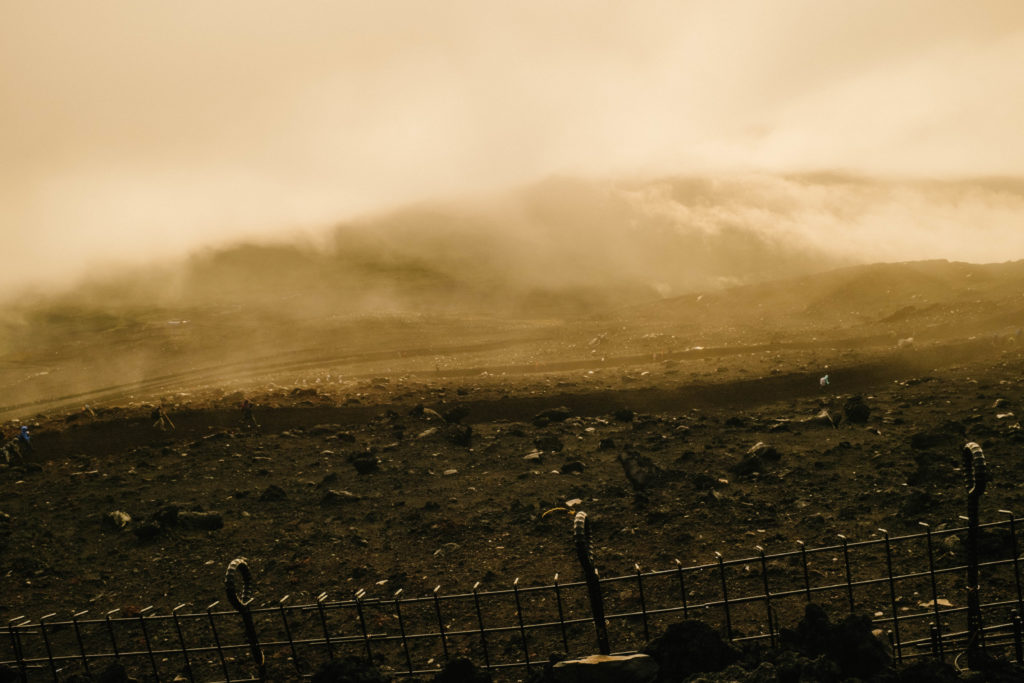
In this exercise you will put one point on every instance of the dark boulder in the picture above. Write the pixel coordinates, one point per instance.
(365, 463)
(200, 521)
(573, 467)
(855, 410)
(462, 671)
(548, 442)
(460, 434)
(349, 670)
(849, 643)
(273, 493)
(690, 647)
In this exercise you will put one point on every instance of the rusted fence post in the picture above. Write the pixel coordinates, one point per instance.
(585, 553)
(975, 478)
(241, 603)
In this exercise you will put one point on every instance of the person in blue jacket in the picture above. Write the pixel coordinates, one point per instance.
(24, 441)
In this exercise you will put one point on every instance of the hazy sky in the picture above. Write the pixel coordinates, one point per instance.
(130, 127)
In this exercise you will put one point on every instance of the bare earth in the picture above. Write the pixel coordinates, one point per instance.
(467, 477)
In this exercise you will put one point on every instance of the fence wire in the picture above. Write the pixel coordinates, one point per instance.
(912, 585)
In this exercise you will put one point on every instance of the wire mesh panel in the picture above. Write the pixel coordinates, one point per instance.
(912, 586)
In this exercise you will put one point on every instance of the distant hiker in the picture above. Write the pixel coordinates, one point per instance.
(161, 420)
(24, 441)
(248, 419)
(823, 381)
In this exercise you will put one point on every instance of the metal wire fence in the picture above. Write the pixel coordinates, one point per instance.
(912, 585)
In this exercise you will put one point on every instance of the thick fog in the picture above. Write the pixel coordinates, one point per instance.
(140, 131)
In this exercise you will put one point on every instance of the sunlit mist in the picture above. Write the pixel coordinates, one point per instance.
(140, 131)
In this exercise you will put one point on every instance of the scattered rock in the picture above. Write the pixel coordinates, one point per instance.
(167, 516)
(348, 670)
(320, 430)
(690, 647)
(703, 481)
(273, 493)
(446, 549)
(559, 414)
(115, 521)
(456, 414)
(200, 521)
(754, 460)
(822, 419)
(147, 531)
(549, 443)
(639, 668)
(747, 466)
(763, 451)
(460, 435)
(328, 479)
(532, 456)
(855, 410)
(941, 602)
(606, 445)
(365, 463)
(573, 467)
(850, 643)
(929, 671)
(461, 670)
(640, 470)
(338, 496)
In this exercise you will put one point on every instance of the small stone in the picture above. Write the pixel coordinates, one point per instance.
(941, 602)
(328, 479)
(532, 456)
(560, 414)
(338, 496)
(446, 549)
(606, 669)
(548, 442)
(856, 411)
(573, 467)
(460, 434)
(449, 473)
(147, 531)
(763, 451)
(273, 493)
(366, 463)
(201, 521)
(115, 521)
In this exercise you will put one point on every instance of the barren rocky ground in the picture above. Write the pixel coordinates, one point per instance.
(448, 453)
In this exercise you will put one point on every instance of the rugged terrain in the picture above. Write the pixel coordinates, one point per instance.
(411, 451)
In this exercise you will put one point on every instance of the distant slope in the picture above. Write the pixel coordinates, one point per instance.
(924, 299)
(559, 248)
(565, 248)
